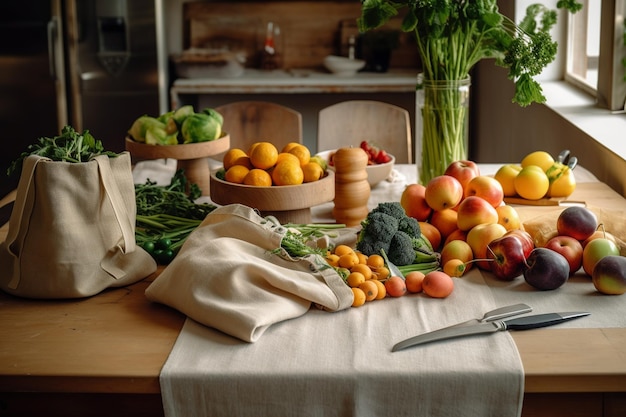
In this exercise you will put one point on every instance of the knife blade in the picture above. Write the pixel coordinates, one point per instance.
(523, 323)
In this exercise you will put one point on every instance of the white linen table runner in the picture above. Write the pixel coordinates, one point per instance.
(341, 364)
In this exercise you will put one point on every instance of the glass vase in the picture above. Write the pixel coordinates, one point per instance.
(442, 123)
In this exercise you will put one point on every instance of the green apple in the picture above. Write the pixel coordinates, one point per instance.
(596, 250)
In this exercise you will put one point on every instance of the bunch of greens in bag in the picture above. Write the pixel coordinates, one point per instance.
(69, 146)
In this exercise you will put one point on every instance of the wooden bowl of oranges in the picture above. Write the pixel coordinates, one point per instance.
(284, 183)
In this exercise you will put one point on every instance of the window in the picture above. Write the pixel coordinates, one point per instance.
(595, 49)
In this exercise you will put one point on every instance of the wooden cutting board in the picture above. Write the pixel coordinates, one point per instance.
(557, 201)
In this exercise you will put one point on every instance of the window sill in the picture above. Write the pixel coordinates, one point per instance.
(580, 109)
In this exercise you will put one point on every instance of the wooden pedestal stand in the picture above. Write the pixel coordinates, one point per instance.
(191, 157)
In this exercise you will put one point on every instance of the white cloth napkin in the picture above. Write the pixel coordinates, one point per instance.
(341, 364)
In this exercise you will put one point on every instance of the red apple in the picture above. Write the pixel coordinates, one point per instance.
(570, 248)
(479, 237)
(596, 250)
(546, 269)
(508, 257)
(485, 187)
(413, 200)
(475, 210)
(609, 275)
(443, 192)
(525, 238)
(463, 171)
(577, 221)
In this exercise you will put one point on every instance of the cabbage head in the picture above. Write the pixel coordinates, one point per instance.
(214, 113)
(200, 127)
(141, 125)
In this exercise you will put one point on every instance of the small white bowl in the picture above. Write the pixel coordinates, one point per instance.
(375, 173)
(343, 66)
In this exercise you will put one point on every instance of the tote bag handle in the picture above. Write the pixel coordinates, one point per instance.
(117, 201)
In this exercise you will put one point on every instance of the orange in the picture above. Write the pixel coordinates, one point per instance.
(381, 272)
(362, 258)
(342, 250)
(332, 259)
(287, 173)
(355, 279)
(302, 152)
(258, 177)
(312, 171)
(432, 233)
(445, 221)
(359, 297)
(363, 269)
(236, 173)
(235, 156)
(263, 155)
(348, 260)
(370, 289)
(455, 268)
(286, 156)
(382, 291)
(375, 261)
(290, 145)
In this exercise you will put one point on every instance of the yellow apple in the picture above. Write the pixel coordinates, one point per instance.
(457, 249)
(508, 217)
(540, 158)
(505, 175)
(531, 183)
(479, 237)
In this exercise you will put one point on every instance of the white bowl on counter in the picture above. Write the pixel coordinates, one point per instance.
(343, 66)
(376, 173)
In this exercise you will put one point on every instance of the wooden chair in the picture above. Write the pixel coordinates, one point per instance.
(350, 122)
(252, 121)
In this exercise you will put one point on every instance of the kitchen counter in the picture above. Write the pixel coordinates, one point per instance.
(296, 81)
(103, 355)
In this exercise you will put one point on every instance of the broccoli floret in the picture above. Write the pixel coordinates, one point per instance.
(401, 251)
(410, 226)
(369, 246)
(377, 230)
(392, 208)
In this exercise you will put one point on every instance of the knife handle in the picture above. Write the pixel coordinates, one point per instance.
(539, 320)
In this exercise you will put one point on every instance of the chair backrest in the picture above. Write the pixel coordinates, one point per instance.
(350, 122)
(252, 121)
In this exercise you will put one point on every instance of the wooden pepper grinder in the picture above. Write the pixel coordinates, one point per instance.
(352, 191)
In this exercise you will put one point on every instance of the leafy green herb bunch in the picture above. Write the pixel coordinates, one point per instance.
(453, 35)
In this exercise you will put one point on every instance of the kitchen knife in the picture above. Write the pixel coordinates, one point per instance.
(522, 323)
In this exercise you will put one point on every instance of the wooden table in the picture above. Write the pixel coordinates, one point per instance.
(103, 355)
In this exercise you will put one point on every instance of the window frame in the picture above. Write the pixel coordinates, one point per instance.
(610, 91)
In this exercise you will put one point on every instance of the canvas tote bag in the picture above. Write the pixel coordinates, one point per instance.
(72, 229)
(228, 276)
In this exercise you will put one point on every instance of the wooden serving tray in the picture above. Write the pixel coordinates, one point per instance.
(288, 203)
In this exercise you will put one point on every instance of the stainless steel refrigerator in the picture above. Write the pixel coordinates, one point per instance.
(92, 64)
